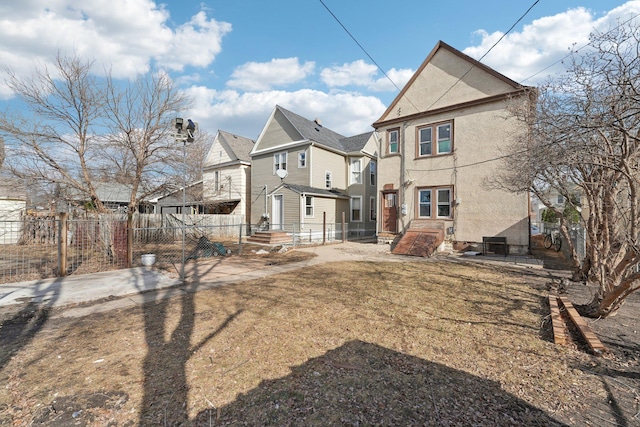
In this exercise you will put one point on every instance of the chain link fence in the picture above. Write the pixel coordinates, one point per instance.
(44, 246)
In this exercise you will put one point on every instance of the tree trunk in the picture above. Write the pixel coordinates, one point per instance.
(607, 300)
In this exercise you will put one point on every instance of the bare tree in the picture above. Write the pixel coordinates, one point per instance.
(78, 129)
(584, 138)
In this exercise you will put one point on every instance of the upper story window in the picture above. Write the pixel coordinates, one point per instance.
(393, 141)
(434, 202)
(372, 172)
(216, 180)
(302, 159)
(328, 180)
(279, 161)
(434, 139)
(356, 171)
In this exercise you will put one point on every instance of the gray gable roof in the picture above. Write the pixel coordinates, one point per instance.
(237, 146)
(356, 143)
(313, 131)
(321, 136)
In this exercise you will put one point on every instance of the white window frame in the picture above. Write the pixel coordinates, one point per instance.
(435, 202)
(391, 132)
(351, 208)
(450, 139)
(372, 208)
(428, 143)
(328, 180)
(355, 173)
(308, 207)
(279, 159)
(302, 159)
(435, 142)
(216, 180)
(372, 172)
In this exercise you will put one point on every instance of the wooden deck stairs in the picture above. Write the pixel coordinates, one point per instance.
(270, 237)
(420, 239)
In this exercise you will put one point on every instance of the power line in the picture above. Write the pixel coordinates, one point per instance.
(359, 45)
(485, 54)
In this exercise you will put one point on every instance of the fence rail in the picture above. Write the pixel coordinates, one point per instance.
(51, 246)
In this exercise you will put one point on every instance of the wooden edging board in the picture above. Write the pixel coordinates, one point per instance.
(592, 340)
(560, 331)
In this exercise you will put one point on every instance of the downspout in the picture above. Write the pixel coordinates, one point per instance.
(266, 204)
(402, 201)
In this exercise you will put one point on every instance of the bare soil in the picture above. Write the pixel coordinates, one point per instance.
(423, 342)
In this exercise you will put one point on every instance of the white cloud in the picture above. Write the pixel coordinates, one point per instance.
(126, 36)
(360, 73)
(257, 76)
(246, 113)
(357, 73)
(398, 77)
(522, 56)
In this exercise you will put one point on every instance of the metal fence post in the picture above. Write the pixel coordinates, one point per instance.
(129, 239)
(62, 244)
(344, 231)
(324, 228)
(240, 240)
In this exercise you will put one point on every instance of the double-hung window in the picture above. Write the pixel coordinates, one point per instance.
(308, 206)
(356, 171)
(302, 159)
(372, 208)
(393, 141)
(328, 180)
(434, 202)
(444, 138)
(434, 139)
(372, 172)
(356, 208)
(424, 141)
(280, 161)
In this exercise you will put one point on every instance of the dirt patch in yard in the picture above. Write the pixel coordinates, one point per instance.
(432, 342)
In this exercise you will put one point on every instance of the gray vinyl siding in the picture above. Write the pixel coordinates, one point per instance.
(324, 160)
(321, 205)
(291, 202)
(261, 175)
(280, 131)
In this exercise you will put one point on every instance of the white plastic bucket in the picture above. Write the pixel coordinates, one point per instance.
(148, 259)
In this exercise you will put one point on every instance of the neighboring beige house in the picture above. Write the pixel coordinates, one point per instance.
(226, 175)
(302, 171)
(12, 209)
(440, 139)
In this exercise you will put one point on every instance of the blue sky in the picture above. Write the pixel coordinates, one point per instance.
(237, 59)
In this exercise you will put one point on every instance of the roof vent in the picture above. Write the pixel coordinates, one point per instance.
(318, 122)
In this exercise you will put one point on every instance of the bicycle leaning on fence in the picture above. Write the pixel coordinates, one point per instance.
(552, 239)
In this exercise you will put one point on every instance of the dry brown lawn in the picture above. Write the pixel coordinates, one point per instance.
(350, 343)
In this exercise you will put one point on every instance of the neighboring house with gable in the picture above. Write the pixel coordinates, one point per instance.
(302, 171)
(13, 203)
(226, 175)
(440, 139)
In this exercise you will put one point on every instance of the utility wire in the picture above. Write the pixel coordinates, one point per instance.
(485, 54)
(359, 45)
(365, 52)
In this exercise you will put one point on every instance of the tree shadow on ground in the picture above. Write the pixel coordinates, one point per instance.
(165, 383)
(23, 324)
(361, 383)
